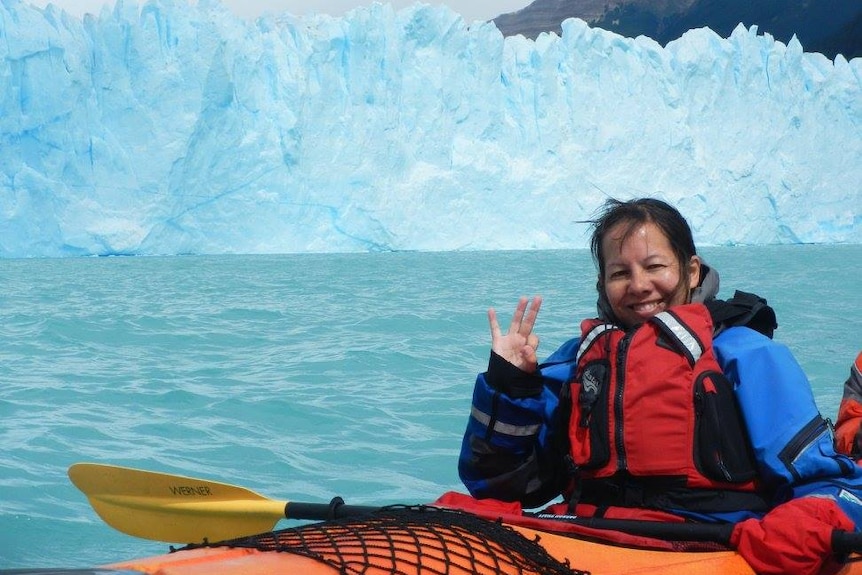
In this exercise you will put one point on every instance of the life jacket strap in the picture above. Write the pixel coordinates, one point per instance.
(667, 493)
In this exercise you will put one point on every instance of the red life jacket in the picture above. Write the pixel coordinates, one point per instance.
(654, 422)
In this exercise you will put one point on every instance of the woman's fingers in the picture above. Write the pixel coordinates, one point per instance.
(518, 316)
(495, 326)
(524, 317)
(529, 320)
(522, 322)
(520, 330)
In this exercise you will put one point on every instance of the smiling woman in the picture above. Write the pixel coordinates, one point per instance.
(470, 10)
(656, 410)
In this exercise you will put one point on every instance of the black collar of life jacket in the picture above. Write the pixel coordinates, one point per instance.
(745, 309)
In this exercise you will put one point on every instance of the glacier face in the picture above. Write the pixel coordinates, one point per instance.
(164, 128)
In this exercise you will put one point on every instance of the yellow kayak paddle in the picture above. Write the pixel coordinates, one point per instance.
(178, 509)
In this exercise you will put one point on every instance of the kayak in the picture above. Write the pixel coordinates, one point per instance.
(361, 546)
(591, 558)
(429, 540)
(227, 529)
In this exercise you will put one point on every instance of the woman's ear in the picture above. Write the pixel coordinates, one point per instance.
(694, 269)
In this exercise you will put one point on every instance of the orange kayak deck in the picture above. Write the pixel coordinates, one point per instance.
(439, 544)
(596, 558)
(601, 559)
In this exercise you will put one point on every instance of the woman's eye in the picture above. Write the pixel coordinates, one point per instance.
(618, 274)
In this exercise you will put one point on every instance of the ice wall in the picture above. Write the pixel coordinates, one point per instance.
(167, 129)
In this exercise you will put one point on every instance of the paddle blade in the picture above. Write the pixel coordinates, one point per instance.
(173, 508)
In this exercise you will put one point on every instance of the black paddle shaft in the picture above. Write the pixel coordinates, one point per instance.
(843, 542)
(846, 542)
(335, 509)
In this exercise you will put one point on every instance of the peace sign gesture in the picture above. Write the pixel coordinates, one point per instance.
(518, 345)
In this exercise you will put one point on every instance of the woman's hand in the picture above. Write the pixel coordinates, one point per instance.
(517, 346)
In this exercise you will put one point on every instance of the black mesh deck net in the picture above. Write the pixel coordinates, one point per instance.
(412, 540)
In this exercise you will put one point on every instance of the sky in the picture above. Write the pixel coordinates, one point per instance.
(470, 9)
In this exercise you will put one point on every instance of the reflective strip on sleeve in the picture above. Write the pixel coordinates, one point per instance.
(505, 428)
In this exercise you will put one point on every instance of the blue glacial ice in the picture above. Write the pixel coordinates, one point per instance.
(164, 128)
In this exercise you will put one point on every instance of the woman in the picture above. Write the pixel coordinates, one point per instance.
(667, 406)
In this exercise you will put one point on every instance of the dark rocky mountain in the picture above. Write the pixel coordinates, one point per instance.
(827, 26)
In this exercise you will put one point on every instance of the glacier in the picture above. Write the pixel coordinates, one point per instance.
(167, 128)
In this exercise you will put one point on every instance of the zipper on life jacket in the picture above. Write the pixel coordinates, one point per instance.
(622, 352)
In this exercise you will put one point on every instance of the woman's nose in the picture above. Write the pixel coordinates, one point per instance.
(639, 281)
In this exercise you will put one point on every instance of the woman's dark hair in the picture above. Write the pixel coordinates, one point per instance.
(635, 213)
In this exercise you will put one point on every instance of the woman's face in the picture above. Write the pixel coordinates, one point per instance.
(642, 274)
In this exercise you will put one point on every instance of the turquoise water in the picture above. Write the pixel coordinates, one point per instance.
(303, 376)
